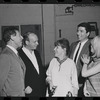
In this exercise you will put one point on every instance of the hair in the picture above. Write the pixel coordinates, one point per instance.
(96, 45)
(64, 43)
(26, 37)
(8, 32)
(86, 25)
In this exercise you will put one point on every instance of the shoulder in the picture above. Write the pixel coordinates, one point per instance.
(71, 62)
(5, 54)
(5, 60)
(53, 60)
(74, 43)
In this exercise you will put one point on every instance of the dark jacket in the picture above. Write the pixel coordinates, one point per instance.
(32, 78)
(79, 64)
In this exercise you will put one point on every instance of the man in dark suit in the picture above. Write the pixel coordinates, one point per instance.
(79, 48)
(35, 73)
(12, 68)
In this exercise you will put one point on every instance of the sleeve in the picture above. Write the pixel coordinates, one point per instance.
(74, 76)
(49, 71)
(49, 74)
(4, 69)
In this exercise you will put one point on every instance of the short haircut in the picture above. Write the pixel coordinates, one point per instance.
(96, 45)
(8, 32)
(26, 37)
(64, 43)
(86, 25)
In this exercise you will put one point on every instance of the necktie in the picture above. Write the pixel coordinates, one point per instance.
(77, 52)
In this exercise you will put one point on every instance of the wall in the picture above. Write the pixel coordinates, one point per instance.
(24, 14)
(52, 18)
(68, 23)
(49, 31)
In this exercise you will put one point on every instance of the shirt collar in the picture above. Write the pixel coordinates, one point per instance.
(25, 49)
(84, 42)
(13, 49)
(61, 61)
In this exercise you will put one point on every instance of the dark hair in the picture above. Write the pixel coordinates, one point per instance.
(8, 32)
(64, 43)
(86, 25)
(25, 37)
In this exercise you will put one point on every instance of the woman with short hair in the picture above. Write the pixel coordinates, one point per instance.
(62, 73)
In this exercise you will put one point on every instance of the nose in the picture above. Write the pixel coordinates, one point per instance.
(78, 32)
(37, 43)
(54, 48)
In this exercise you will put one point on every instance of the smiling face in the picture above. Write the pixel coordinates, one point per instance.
(82, 34)
(17, 39)
(59, 51)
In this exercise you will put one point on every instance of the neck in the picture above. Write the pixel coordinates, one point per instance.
(12, 44)
(62, 57)
(83, 40)
(29, 49)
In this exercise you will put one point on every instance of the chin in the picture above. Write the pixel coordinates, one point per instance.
(56, 56)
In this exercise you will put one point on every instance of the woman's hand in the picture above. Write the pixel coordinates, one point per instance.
(86, 93)
(85, 59)
(28, 90)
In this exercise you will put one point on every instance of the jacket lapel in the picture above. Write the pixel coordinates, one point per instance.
(85, 47)
(73, 49)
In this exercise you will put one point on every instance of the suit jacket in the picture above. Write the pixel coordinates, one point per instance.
(79, 64)
(32, 78)
(12, 72)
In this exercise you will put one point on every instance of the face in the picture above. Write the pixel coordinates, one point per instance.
(82, 34)
(17, 39)
(58, 50)
(33, 42)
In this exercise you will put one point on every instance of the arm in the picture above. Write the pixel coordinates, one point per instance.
(86, 93)
(88, 72)
(49, 72)
(4, 69)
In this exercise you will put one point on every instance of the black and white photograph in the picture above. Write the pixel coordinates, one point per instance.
(49, 50)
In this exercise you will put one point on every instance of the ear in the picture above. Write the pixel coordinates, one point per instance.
(65, 49)
(88, 33)
(12, 37)
(27, 42)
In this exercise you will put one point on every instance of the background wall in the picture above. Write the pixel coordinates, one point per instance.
(68, 22)
(32, 14)
(52, 18)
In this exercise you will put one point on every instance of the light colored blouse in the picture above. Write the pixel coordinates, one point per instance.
(93, 82)
(63, 76)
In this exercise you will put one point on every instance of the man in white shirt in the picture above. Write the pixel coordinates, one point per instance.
(79, 48)
(35, 73)
(12, 68)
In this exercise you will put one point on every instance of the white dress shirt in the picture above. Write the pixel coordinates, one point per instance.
(32, 58)
(82, 44)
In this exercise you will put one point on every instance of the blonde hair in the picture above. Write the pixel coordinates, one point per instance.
(96, 45)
